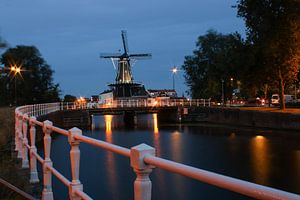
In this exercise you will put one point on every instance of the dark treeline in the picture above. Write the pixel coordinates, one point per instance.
(267, 61)
(32, 84)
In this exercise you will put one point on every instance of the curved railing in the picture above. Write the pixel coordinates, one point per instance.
(142, 160)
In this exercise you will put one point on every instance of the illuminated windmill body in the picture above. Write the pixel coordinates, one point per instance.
(124, 86)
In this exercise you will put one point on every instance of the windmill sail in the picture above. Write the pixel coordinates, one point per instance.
(125, 86)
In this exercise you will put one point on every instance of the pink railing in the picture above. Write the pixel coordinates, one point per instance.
(142, 160)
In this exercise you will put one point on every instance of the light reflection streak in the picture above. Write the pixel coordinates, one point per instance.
(260, 159)
(156, 137)
(111, 162)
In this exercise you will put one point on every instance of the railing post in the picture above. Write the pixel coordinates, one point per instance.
(25, 162)
(16, 132)
(75, 163)
(20, 136)
(142, 183)
(33, 171)
(47, 193)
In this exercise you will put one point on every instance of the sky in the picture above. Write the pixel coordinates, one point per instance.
(71, 34)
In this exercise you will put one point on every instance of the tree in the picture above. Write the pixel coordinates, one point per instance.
(216, 58)
(273, 29)
(34, 84)
(3, 44)
(69, 98)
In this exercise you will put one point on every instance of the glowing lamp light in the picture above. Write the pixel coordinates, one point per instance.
(174, 70)
(18, 70)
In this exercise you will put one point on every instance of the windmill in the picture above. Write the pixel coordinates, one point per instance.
(124, 85)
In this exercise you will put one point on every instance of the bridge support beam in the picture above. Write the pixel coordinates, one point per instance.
(142, 183)
(47, 193)
(130, 118)
(33, 171)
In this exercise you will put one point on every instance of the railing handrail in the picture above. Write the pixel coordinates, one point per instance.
(142, 159)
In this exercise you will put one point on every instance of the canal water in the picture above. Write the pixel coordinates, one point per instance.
(266, 157)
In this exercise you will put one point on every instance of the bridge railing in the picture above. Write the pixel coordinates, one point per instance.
(142, 160)
(126, 103)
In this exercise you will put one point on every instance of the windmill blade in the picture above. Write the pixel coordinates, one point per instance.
(110, 55)
(140, 56)
(125, 43)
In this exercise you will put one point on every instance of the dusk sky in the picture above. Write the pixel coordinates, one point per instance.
(71, 34)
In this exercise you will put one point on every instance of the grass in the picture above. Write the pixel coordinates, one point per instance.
(10, 167)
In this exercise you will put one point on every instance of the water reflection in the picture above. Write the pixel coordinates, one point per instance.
(156, 139)
(155, 123)
(108, 122)
(259, 148)
(111, 162)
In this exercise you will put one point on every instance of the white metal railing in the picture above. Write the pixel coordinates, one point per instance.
(151, 102)
(142, 160)
(132, 103)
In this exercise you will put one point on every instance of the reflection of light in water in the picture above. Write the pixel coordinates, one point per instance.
(156, 141)
(155, 123)
(108, 121)
(232, 135)
(260, 158)
(176, 155)
(176, 146)
(111, 166)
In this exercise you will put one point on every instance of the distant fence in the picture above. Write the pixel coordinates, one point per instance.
(142, 160)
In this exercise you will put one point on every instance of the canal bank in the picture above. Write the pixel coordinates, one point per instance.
(256, 118)
(270, 118)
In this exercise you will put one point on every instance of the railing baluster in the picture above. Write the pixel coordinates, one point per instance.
(16, 132)
(20, 136)
(25, 163)
(33, 171)
(75, 163)
(47, 193)
(142, 183)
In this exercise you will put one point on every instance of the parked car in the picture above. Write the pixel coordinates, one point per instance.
(275, 99)
(255, 102)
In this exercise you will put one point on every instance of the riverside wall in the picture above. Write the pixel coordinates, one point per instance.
(237, 117)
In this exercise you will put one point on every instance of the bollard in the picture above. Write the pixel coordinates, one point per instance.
(142, 183)
(75, 163)
(33, 171)
(25, 162)
(47, 193)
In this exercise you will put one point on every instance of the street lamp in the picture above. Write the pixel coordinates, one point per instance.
(174, 72)
(222, 92)
(16, 71)
(231, 84)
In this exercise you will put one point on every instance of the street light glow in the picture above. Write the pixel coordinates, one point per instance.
(174, 70)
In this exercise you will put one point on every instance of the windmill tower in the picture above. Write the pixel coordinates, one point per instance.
(124, 86)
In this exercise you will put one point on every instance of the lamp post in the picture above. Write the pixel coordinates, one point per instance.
(174, 72)
(222, 92)
(15, 70)
(231, 84)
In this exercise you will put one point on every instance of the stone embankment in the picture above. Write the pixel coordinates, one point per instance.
(258, 118)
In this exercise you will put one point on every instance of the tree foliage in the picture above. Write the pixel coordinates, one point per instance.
(273, 29)
(34, 84)
(69, 98)
(216, 58)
